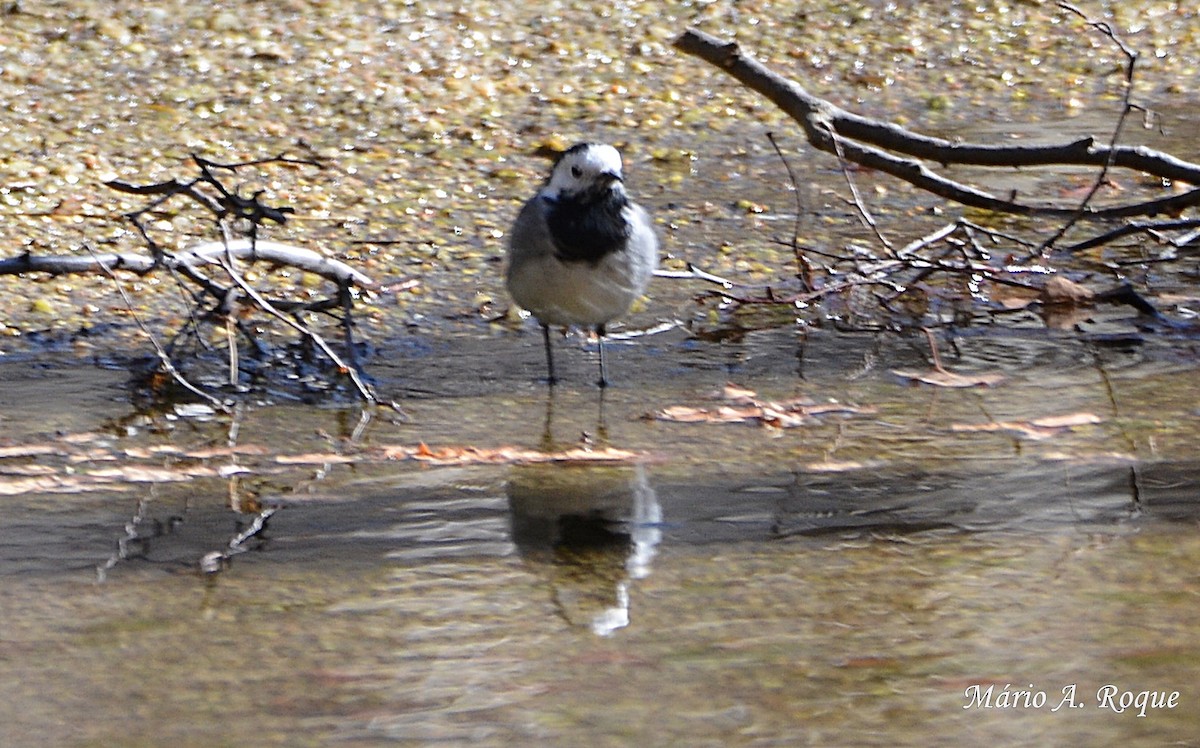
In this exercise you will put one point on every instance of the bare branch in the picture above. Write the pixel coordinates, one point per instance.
(868, 142)
(224, 296)
(276, 253)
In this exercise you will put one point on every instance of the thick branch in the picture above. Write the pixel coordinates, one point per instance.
(829, 127)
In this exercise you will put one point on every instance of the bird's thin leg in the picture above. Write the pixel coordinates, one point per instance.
(550, 379)
(600, 345)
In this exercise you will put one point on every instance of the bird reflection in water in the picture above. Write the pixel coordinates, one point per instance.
(591, 530)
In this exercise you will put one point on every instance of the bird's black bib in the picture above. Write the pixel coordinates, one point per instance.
(588, 226)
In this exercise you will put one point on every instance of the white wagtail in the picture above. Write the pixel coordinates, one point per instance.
(581, 252)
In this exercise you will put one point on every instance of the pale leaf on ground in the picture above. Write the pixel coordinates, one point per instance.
(742, 405)
(1038, 428)
(29, 450)
(943, 378)
(502, 455)
(315, 458)
(55, 484)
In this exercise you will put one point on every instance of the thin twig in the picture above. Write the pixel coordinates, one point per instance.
(933, 351)
(804, 268)
(1127, 106)
(867, 218)
(695, 273)
(363, 388)
(163, 358)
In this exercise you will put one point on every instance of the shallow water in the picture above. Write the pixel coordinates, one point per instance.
(848, 580)
(294, 575)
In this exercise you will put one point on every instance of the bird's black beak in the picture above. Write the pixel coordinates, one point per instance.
(610, 178)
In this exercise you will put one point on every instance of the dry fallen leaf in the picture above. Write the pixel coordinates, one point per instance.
(1037, 428)
(29, 450)
(242, 449)
(27, 470)
(143, 474)
(742, 405)
(943, 378)
(55, 484)
(1067, 421)
(1012, 297)
(835, 466)
(501, 455)
(1060, 290)
(315, 458)
(736, 393)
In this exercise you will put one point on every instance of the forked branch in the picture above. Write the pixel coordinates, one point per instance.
(907, 155)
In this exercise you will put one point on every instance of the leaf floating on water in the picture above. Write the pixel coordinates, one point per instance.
(1038, 428)
(835, 466)
(315, 458)
(27, 470)
(723, 414)
(467, 455)
(1060, 290)
(1067, 421)
(146, 474)
(199, 411)
(28, 450)
(743, 406)
(237, 449)
(56, 484)
(737, 393)
(944, 378)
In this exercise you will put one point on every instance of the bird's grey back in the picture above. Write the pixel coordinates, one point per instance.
(530, 234)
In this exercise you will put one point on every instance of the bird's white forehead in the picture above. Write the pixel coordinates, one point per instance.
(596, 158)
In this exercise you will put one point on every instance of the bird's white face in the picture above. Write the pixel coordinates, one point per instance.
(582, 169)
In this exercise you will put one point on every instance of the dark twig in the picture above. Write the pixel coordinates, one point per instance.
(1127, 106)
(804, 268)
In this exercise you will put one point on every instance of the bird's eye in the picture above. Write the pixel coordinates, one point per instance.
(576, 172)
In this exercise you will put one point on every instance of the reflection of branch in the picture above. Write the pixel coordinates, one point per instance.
(164, 359)
(133, 535)
(868, 142)
(215, 561)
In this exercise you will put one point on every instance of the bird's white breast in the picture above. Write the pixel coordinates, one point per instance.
(585, 293)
